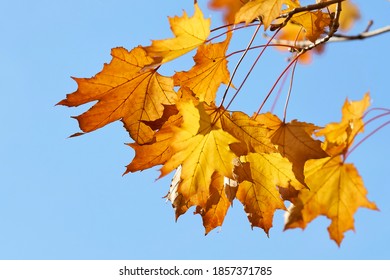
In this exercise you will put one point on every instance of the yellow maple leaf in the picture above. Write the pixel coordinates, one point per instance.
(340, 136)
(336, 190)
(125, 92)
(201, 148)
(267, 10)
(295, 142)
(190, 32)
(314, 23)
(253, 135)
(209, 71)
(260, 175)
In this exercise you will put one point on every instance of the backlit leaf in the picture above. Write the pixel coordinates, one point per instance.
(217, 205)
(260, 176)
(314, 23)
(126, 92)
(190, 32)
(201, 148)
(253, 135)
(336, 191)
(209, 71)
(340, 136)
(295, 142)
(158, 151)
(267, 10)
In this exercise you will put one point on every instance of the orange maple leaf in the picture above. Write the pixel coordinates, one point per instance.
(125, 92)
(336, 190)
(158, 151)
(201, 148)
(260, 175)
(190, 32)
(209, 71)
(294, 141)
(221, 196)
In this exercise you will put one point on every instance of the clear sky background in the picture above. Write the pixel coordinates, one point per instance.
(64, 198)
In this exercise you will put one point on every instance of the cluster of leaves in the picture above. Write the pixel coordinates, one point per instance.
(220, 155)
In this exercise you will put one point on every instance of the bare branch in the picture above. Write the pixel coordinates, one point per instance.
(361, 36)
(299, 45)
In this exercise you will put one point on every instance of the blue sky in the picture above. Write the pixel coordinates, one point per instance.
(64, 198)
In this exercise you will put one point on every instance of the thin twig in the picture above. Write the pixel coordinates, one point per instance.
(370, 23)
(289, 91)
(238, 63)
(361, 128)
(361, 36)
(375, 109)
(251, 69)
(279, 93)
(277, 81)
(365, 138)
(229, 29)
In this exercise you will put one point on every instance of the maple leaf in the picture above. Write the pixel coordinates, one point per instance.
(267, 10)
(209, 71)
(340, 136)
(260, 175)
(125, 92)
(314, 23)
(253, 135)
(294, 141)
(190, 32)
(201, 148)
(158, 151)
(336, 190)
(221, 197)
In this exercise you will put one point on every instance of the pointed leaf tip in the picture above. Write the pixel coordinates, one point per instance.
(189, 32)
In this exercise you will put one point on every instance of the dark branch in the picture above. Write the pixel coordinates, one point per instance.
(308, 8)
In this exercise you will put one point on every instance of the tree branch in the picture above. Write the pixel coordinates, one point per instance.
(361, 36)
(300, 45)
